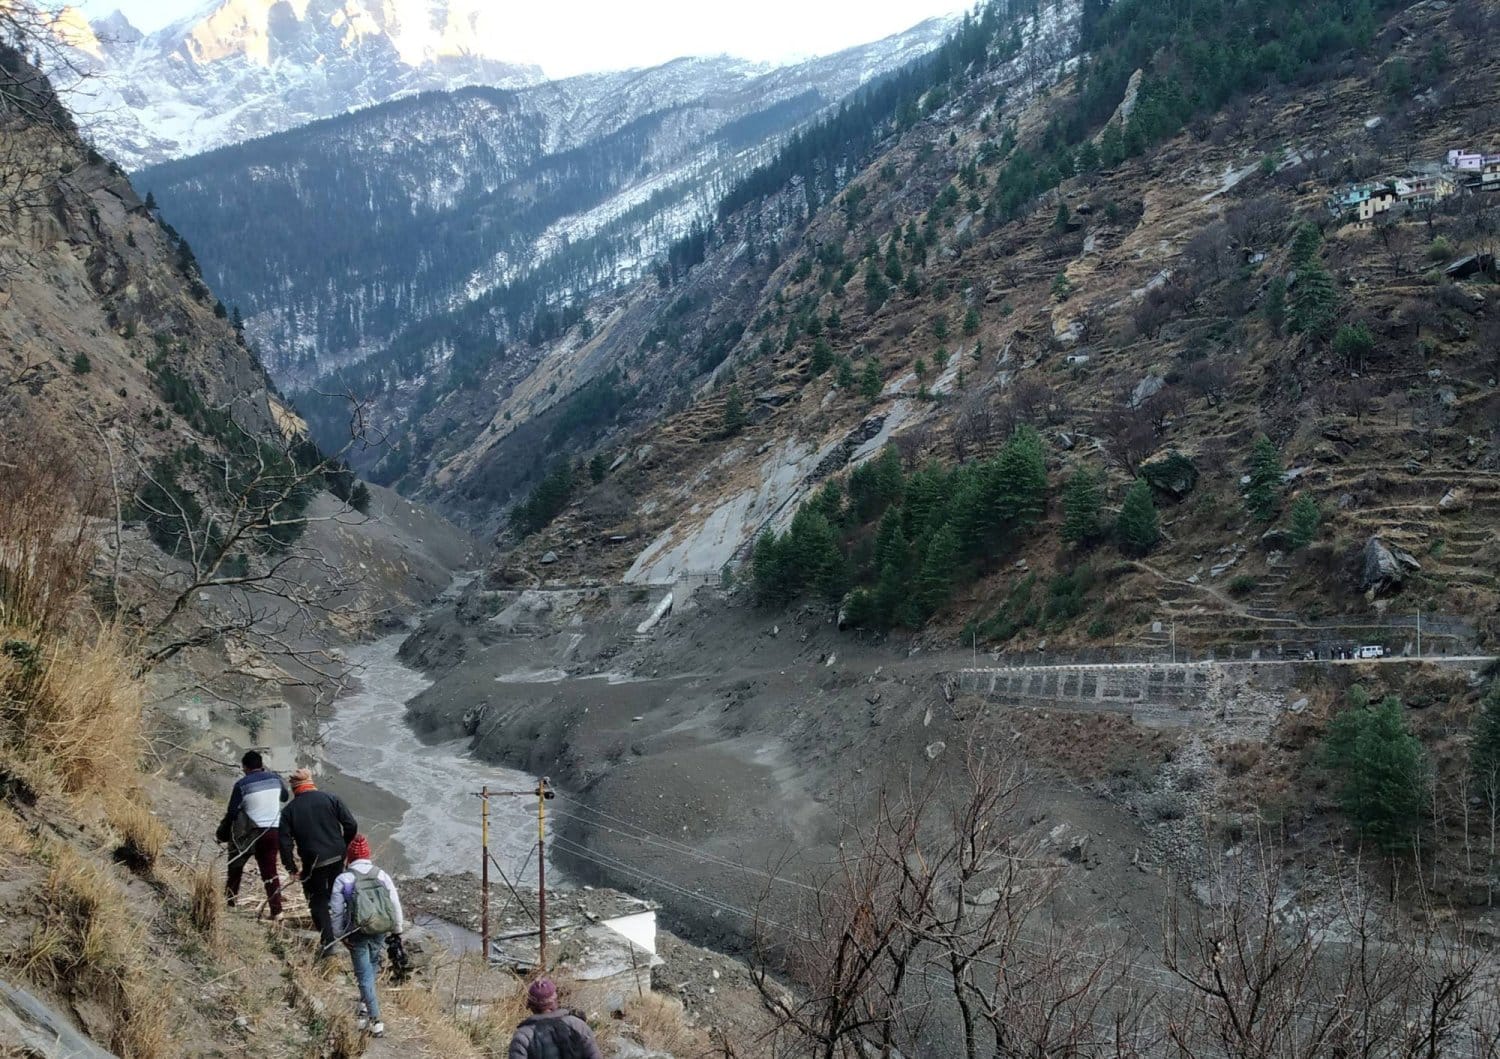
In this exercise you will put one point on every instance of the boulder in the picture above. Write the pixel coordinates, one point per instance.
(1147, 388)
(1173, 475)
(549, 559)
(1276, 540)
(1383, 568)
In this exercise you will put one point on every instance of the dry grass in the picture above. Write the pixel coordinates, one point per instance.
(142, 836)
(659, 1023)
(14, 838)
(205, 901)
(71, 707)
(88, 945)
(491, 1003)
(345, 1041)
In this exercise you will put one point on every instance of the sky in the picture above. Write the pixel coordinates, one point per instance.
(566, 37)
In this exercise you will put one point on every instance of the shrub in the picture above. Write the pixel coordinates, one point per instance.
(81, 364)
(1243, 585)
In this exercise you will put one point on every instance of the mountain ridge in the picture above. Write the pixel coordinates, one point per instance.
(436, 201)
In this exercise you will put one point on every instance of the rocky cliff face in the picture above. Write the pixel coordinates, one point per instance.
(247, 68)
(99, 299)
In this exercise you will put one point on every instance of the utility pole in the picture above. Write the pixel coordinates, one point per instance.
(543, 792)
(1174, 641)
(1419, 632)
(484, 871)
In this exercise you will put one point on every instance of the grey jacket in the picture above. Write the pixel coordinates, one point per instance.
(554, 1035)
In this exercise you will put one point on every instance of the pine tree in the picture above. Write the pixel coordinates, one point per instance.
(769, 569)
(1383, 772)
(359, 498)
(1275, 304)
(1081, 507)
(1315, 301)
(845, 374)
(890, 543)
(1484, 763)
(971, 321)
(1137, 527)
(876, 289)
(599, 466)
(734, 412)
(893, 270)
(939, 567)
(1484, 747)
(1019, 489)
(890, 480)
(869, 381)
(1305, 245)
(1305, 517)
(1263, 494)
(813, 559)
(822, 357)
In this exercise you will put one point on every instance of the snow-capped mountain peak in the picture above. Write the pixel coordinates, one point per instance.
(238, 69)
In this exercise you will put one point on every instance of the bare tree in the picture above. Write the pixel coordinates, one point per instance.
(944, 890)
(1211, 378)
(1392, 236)
(1209, 253)
(1259, 977)
(236, 572)
(1127, 433)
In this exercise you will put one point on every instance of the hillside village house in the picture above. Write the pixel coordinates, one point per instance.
(1475, 170)
(1362, 203)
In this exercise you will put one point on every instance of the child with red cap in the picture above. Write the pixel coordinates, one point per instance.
(364, 909)
(551, 1033)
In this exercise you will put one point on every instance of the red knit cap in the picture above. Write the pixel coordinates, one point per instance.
(359, 849)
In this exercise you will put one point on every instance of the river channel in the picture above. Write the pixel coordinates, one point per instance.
(439, 832)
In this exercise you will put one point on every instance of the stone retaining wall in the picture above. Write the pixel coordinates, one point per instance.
(1242, 699)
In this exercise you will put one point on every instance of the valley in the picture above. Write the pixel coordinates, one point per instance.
(969, 527)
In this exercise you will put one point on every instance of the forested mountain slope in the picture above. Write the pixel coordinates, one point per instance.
(453, 225)
(1140, 267)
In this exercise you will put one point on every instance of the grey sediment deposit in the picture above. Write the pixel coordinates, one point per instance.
(714, 764)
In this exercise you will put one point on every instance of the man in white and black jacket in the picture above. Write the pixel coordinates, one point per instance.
(249, 827)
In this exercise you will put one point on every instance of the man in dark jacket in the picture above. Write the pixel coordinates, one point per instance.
(321, 826)
(249, 827)
(551, 1033)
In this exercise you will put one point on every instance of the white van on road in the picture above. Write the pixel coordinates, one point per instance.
(1370, 651)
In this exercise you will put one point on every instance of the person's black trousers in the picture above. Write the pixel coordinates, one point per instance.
(318, 888)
